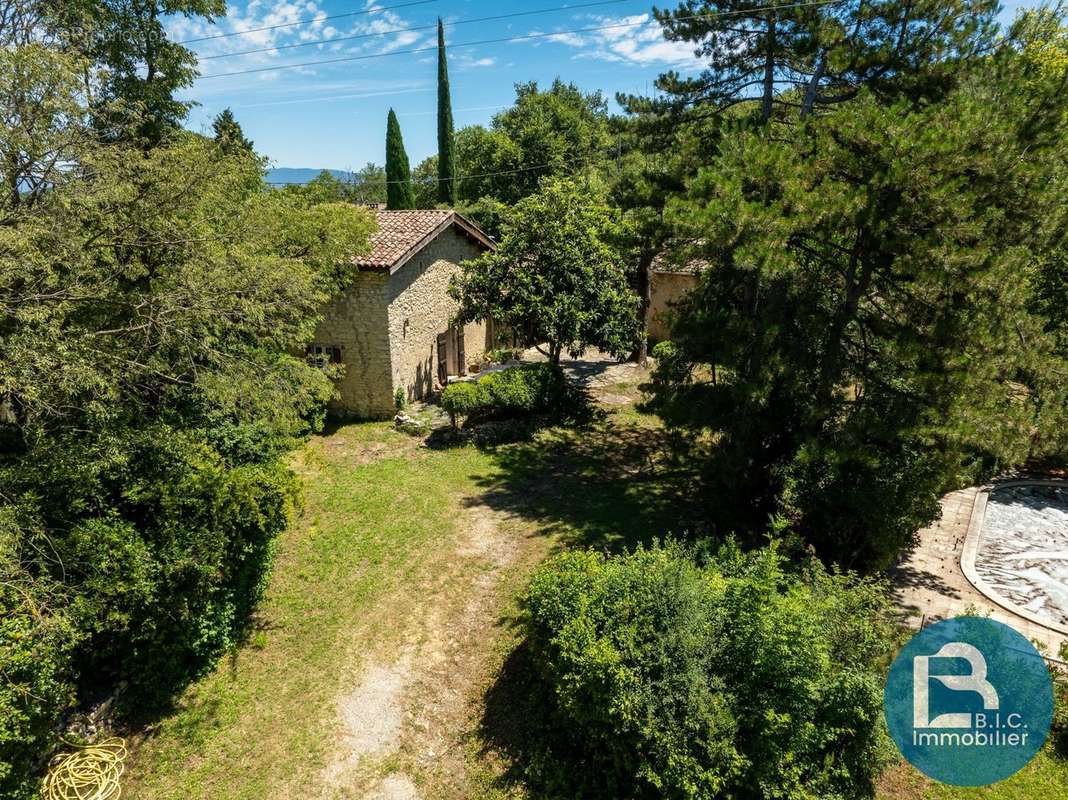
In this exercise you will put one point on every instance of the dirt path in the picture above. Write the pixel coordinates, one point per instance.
(386, 622)
(402, 727)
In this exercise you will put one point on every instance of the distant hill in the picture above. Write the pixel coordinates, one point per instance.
(300, 174)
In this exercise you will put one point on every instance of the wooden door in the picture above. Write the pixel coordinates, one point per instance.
(443, 358)
(461, 358)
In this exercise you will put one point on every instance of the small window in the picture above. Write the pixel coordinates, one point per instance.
(320, 355)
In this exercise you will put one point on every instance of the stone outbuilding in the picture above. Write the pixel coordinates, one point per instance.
(668, 284)
(392, 327)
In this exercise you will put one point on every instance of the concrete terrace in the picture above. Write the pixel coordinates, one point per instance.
(929, 583)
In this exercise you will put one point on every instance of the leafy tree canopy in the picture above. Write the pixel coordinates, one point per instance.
(365, 186)
(140, 69)
(557, 276)
(228, 133)
(425, 183)
(807, 57)
(154, 306)
(562, 131)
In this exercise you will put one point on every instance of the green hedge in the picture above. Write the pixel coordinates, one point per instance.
(36, 642)
(666, 680)
(519, 391)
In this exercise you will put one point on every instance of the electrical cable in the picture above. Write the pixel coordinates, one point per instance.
(391, 31)
(526, 37)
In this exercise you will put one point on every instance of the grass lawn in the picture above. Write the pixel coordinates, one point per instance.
(1045, 778)
(380, 523)
(379, 663)
(404, 566)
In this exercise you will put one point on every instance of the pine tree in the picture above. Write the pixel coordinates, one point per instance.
(446, 140)
(826, 53)
(399, 194)
(860, 335)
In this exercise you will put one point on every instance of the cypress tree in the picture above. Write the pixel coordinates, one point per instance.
(399, 194)
(446, 140)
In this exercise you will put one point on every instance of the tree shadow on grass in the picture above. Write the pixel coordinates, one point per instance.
(514, 720)
(519, 731)
(605, 485)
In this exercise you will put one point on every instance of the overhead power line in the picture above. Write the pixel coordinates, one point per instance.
(375, 34)
(505, 39)
(307, 21)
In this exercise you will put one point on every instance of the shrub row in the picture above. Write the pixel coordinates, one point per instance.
(662, 679)
(523, 390)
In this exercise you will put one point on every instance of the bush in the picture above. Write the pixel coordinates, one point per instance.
(519, 391)
(463, 399)
(165, 588)
(36, 640)
(665, 680)
(671, 364)
(860, 509)
(135, 557)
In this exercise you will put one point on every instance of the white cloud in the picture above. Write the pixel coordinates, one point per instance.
(462, 61)
(572, 39)
(258, 22)
(633, 39)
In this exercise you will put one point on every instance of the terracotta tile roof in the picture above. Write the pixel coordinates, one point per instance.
(402, 234)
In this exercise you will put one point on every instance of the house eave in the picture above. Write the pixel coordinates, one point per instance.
(465, 226)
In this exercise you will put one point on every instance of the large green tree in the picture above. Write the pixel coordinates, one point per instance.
(228, 132)
(446, 138)
(555, 132)
(557, 277)
(399, 194)
(425, 182)
(651, 169)
(154, 306)
(141, 69)
(368, 184)
(865, 334)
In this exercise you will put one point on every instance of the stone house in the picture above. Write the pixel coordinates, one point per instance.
(392, 327)
(668, 284)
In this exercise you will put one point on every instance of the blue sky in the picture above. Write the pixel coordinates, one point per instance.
(334, 115)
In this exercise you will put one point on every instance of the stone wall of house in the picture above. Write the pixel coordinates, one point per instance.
(357, 322)
(420, 308)
(665, 288)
